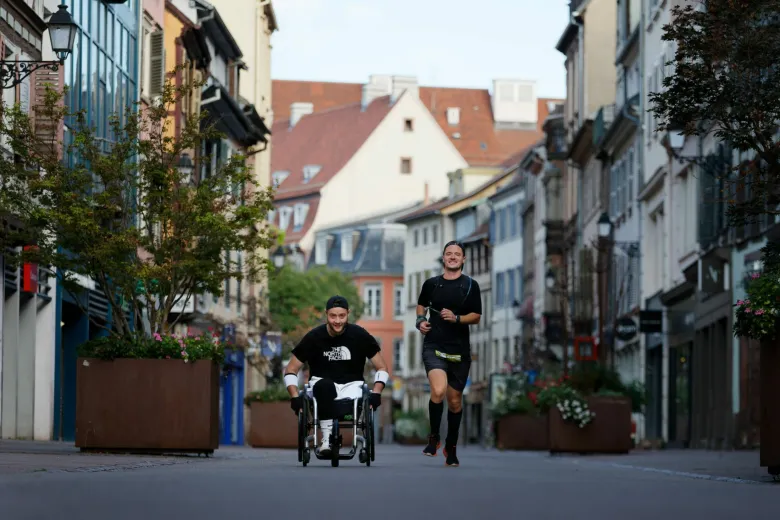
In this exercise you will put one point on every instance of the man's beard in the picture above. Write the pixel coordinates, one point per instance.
(333, 332)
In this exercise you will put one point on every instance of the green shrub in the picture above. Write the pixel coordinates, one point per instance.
(272, 394)
(139, 346)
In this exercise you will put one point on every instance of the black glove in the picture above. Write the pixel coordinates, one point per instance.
(375, 400)
(296, 403)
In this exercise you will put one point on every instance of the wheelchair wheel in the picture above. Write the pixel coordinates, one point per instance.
(370, 429)
(306, 456)
(334, 445)
(303, 427)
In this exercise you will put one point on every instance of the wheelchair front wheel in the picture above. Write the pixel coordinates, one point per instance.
(306, 456)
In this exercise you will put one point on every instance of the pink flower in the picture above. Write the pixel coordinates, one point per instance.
(759, 312)
(749, 310)
(157, 336)
(754, 276)
(740, 302)
(183, 353)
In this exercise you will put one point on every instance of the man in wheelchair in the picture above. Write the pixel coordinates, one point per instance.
(336, 353)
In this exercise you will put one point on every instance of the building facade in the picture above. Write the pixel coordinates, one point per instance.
(102, 74)
(27, 304)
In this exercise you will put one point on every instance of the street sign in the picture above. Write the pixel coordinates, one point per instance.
(625, 329)
(651, 322)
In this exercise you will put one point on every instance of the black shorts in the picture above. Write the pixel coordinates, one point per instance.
(457, 371)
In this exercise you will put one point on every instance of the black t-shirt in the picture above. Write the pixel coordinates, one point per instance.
(455, 295)
(340, 358)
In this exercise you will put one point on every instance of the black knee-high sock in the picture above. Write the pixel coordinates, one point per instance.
(453, 427)
(435, 410)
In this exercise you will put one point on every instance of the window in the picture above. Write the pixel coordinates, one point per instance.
(512, 219)
(372, 297)
(453, 116)
(271, 215)
(410, 343)
(227, 280)
(321, 251)
(279, 177)
(408, 125)
(239, 268)
(346, 247)
(511, 287)
(399, 300)
(500, 289)
(285, 212)
(425, 236)
(310, 171)
(299, 216)
(435, 234)
(406, 165)
(398, 346)
(416, 237)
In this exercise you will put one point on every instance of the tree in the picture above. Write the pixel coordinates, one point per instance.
(119, 211)
(726, 72)
(297, 299)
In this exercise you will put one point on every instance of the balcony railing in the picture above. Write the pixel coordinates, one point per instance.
(604, 118)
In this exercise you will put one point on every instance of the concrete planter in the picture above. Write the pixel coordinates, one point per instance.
(609, 432)
(523, 432)
(147, 405)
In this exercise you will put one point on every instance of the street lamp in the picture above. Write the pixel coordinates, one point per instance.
(549, 279)
(605, 225)
(185, 166)
(676, 138)
(62, 33)
(279, 257)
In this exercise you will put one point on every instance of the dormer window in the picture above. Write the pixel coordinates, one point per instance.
(453, 116)
(278, 177)
(346, 247)
(321, 250)
(285, 212)
(299, 216)
(310, 170)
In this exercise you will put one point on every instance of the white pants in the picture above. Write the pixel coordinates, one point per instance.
(351, 390)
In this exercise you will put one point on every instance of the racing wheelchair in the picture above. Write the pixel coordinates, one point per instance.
(350, 413)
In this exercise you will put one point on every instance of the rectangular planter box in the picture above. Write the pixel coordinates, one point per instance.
(608, 432)
(147, 405)
(274, 425)
(522, 432)
(770, 405)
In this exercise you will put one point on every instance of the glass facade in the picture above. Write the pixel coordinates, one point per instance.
(102, 73)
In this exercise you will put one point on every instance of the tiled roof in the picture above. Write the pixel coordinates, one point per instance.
(327, 139)
(478, 142)
(291, 233)
(376, 252)
(439, 205)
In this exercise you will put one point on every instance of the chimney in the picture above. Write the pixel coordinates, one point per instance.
(298, 110)
(426, 196)
(402, 84)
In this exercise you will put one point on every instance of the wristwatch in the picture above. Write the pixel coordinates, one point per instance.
(457, 318)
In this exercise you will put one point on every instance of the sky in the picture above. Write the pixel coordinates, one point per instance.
(446, 43)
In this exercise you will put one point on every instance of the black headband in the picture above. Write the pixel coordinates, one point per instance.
(336, 301)
(454, 243)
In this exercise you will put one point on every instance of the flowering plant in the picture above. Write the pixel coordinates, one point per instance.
(169, 346)
(569, 403)
(757, 315)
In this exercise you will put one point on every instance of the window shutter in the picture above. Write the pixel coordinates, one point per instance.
(48, 131)
(156, 63)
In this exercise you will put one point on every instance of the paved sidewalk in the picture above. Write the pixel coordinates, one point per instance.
(714, 465)
(31, 456)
